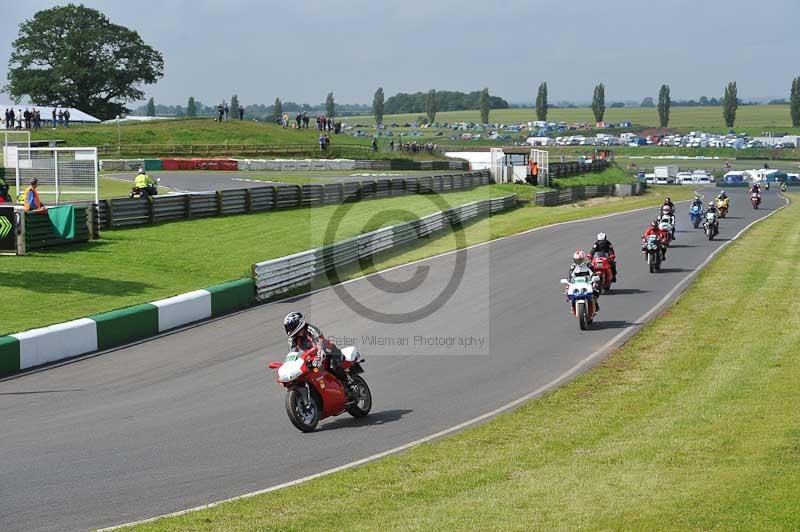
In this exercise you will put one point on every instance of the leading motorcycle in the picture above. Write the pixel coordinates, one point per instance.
(580, 295)
(313, 393)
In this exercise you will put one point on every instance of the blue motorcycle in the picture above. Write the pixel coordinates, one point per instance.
(696, 214)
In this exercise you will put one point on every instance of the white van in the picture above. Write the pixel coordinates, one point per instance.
(685, 178)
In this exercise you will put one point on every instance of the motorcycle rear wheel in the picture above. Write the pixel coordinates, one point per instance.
(303, 416)
(362, 406)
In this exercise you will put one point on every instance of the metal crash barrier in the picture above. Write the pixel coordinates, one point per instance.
(21, 232)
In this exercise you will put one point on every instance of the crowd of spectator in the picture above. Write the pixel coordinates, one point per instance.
(31, 119)
(324, 141)
(413, 147)
(223, 112)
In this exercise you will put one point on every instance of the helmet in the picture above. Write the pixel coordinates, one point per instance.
(293, 323)
(710, 203)
(665, 208)
(141, 170)
(667, 200)
(721, 192)
(579, 257)
(601, 236)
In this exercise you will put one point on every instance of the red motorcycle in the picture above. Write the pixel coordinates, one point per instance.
(601, 265)
(755, 199)
(314, 393)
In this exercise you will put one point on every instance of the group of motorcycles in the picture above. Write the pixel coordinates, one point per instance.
(583, 290)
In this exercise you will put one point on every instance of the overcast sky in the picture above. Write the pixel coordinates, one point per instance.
(301, 49)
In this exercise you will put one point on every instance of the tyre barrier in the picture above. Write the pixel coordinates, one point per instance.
(572, 194)
(126, 212)
(284, 165)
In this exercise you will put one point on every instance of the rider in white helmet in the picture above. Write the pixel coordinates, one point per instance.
(604, 245)
(581, 266)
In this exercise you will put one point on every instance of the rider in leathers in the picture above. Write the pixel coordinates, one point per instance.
(304, 336)
(604, 245)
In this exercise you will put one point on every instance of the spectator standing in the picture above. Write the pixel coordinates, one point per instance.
(37, 120)
(298, 119)
(55, 124)
(241, 113)
(391, 145)
(374, 144)
(305, 120)
(61, 118)
(27, 118)
(220, 112)
(66, 117)
(226, 112)
(32, 201)
(322, 142)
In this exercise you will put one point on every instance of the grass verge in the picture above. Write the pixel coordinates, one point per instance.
(693, 424)
(133, 266)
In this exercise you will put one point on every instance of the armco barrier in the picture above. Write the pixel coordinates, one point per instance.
(572, 194)
(119, 327)
(281, 275)
(124, 212)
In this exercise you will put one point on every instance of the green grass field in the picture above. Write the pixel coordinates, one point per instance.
(137, 265)
(692, 425)
(750, 118)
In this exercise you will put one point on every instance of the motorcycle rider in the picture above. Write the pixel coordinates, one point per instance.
(604, 245)
(661, 235)
(304, 336)
(580, 266)
(697, 202)
(712, 207)
(755, 189)
(722, 196)
(145, 183)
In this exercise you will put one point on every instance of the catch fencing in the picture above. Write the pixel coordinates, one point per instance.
(580, 193)
(278, 276)
(125, 212)
(574, 168)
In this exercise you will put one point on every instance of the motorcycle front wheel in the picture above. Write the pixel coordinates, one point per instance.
(303, 415)
(362, 403)
(583, 318)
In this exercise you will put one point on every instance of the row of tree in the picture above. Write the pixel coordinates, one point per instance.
(432, 102)
(729, 102)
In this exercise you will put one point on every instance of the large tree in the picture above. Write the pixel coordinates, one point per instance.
(648, 102)
(730, 102)
(73, 56)
(599, 102)
(330, 105)
(151, 107)
(277, 109)
(485, 105)
(377, 106)
(794, 102)
(541, 102)
(664, 104)
(430, 106)
(191, 108)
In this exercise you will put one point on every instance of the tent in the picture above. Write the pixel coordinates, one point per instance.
(75, 115)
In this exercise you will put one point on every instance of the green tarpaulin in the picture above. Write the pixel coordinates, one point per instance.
(62, 218)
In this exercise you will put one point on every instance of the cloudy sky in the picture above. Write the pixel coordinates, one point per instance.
(299, 50)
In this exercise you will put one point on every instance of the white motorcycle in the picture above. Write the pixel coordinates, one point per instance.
(580, 295)
(711, 225)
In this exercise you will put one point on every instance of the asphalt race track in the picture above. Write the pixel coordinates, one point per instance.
(196, 416)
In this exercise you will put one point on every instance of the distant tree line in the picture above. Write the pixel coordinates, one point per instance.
(444, 101)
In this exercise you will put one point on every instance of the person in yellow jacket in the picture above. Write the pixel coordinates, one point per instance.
(32, 201)
(145, 183)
